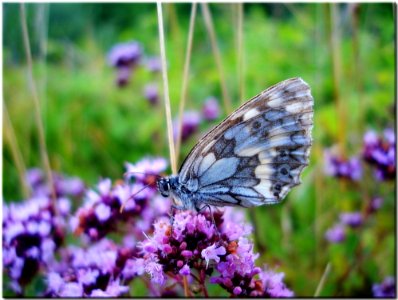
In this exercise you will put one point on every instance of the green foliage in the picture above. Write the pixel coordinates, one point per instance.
(92, 127)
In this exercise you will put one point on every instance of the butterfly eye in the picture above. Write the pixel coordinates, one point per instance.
(164, 187)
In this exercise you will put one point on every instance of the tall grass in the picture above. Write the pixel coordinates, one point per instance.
(36, 101)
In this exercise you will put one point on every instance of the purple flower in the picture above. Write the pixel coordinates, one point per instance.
(338, 167)
(100, 213)
(380, 153)
(145, 169)
(124, 57)
(133, 267)
(190, 124)
(154, 64)
(87, 277)
(123, 76)
(386, 289)
(185, 270)
(34, 177)
(211, 109)
(351, 219)
(375, 204)
(389, 135)
(336, 234)
(54, 282)
(71, 186)
(212, 252)
(273, 284)
(151, 93)
(96, 271)
(155, 270)
(63, 186)
(125, 54)
(31, 235)
(115, 289)
(103, 212)
(237, 290)
(98, 293)
(71, 290)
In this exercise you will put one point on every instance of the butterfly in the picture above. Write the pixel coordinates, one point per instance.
(253, 157)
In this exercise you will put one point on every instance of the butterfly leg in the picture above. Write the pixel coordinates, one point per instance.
(200, 209)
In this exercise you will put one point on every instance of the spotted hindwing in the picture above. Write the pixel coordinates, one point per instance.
(256, 155)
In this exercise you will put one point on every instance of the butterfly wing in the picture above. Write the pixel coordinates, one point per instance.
(256, 155)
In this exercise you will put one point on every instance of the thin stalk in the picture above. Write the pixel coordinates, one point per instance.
(240, 53)
(42, 19)
(320, 204)
(187, 292)
(16, 153)
(252, 216)
(175, 32)
(166, 90)
(185, 78)
(205, 292)
(323, 279)
(357, 76)
(36, 102)
(335, 43)
(216, 52)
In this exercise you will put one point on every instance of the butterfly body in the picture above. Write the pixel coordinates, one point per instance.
(254, 157)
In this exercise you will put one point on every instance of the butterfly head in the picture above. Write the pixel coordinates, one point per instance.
(163, 185)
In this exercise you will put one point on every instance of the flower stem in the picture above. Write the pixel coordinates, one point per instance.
(187, 292)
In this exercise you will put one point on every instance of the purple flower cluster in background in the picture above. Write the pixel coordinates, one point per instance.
(34, 229)
(210, 109)
(192, 119)
(190, 124)
(100, 213)
(336, 166)
(337, 233)
(95, 271)
(380, 152)
(154, 64)
(31, 234)
(386, 289)
(151, 93)
(124, 57)
(377, 151)
(63, 186)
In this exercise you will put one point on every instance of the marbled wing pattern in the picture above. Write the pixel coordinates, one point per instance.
(256, 155)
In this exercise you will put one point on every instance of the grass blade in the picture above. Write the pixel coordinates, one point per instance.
(217, 56)
(36, 102)
(185, 79)
(166, 89)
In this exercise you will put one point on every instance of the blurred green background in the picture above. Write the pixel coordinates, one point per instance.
(345, 52)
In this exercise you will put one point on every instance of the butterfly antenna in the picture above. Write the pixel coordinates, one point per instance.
(132, 196)
(143, 173)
